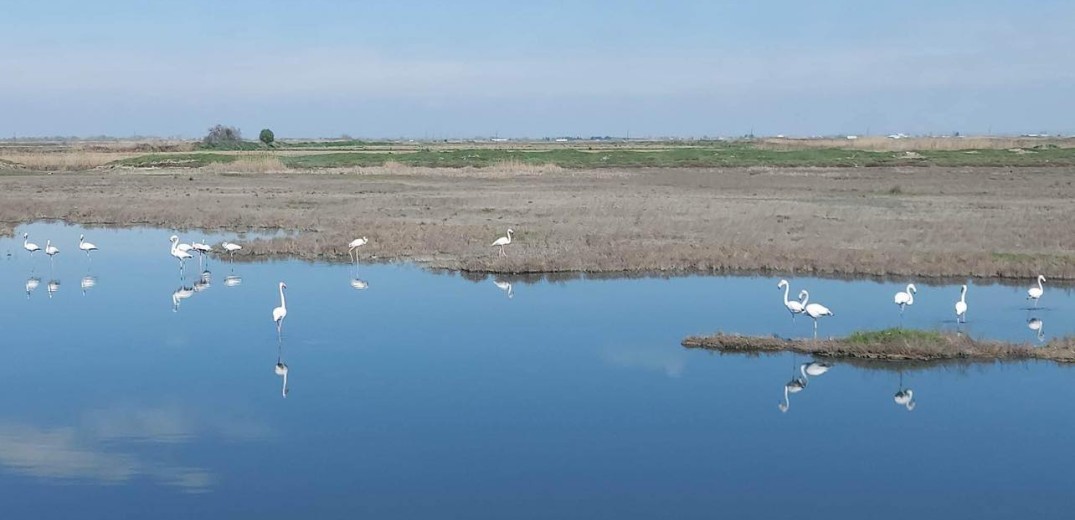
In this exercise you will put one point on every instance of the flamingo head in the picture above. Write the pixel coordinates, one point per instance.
(782, 284)
(1041, 277)
(912, 289)
(510, 231)
(25, 235)
(81, 238)
(173, 238)
(283, 285)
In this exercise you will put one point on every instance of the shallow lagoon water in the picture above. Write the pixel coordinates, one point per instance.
(429, 395)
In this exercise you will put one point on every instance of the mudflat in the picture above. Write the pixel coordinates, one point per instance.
(986, 221)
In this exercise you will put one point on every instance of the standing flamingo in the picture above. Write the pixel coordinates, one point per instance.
(86, 246)
(355, 244)
(793, 306)
(51, 250)
(506, 287)
(230, 248)
(1035, 292)
(179, 254)
(503, 241)
(905, 298)
(29, 246)
(961, 306)
(815, 311)
(279, 313)
(203, 249)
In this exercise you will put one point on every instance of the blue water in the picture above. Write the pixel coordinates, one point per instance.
(427, 395)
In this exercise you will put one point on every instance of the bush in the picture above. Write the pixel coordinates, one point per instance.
(223, 136)
(266, 136)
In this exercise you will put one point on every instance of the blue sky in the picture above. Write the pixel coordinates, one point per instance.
(540, 68)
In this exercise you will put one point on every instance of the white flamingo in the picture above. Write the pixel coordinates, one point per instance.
(961, 306)
(355, 244)
(231, 248)
(85, 246)
(905, 298)
(279, 313)
(1035, 292)
(815, 311)
(1038, 326)
(506, 287)
(359, 284)
(503, 241)
(793, 306)
(179, 254)
(51, 250)
(29, 246)
(203, 249)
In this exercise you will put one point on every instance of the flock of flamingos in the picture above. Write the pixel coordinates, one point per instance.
(905, 397)
(182, 253)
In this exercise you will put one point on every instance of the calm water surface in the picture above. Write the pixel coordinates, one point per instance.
(427, 395)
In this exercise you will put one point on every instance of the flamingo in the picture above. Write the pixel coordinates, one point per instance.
(279, 313)
(503, 241)
(1036, 325)
(815, 311)
(281, 370)
(905, 298)
(203, 249)
(179, 254)
(905, 398)
(1035, 292)
(51, 250)
(31, 285)
(794, 386)
(233, 280)
(506, 287)
(359, 284)
(794, 307)
(85, 246)
(355, 244)
(961, 306)
(230, 248)
(29, 246)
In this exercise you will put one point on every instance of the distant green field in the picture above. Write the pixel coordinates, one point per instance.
(708, 156)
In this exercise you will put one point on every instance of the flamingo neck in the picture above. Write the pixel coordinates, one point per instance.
(806, 298)
(283, 303)
(963, 295)
(1040, 287)
(787, 288)
(283, 389)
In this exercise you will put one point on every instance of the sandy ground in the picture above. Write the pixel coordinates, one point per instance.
(990, 222)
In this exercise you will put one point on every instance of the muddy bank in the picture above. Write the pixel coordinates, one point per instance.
(892, 345)
(837, 221)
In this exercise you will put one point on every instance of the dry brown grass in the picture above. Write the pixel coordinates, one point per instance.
(939, 222)
(251, 163)
(82, 155)
(898, 346)
(885, 144)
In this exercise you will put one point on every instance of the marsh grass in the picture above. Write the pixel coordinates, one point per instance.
(893, 345)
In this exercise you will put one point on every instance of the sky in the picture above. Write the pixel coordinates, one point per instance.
(472, 68)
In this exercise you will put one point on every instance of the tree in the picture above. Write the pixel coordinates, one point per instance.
(266, 136)
(221, 135)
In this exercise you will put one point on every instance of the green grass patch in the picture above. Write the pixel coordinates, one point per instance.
(871, 337)
(175, 160)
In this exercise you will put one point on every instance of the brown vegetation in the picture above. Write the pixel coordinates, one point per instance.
(915, 346)
(910, 144)
(987, 221)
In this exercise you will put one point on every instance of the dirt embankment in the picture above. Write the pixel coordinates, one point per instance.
(987, 222)
(893, 345)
